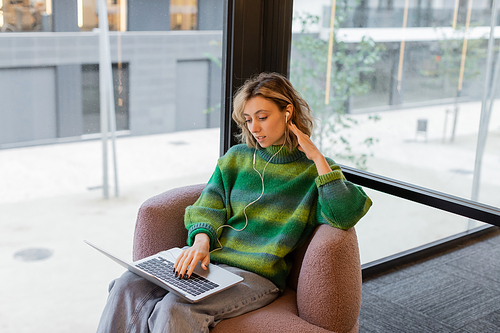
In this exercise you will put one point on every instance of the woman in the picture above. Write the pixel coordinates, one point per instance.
(264, 199)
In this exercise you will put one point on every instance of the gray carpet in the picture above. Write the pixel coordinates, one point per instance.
(457, 291)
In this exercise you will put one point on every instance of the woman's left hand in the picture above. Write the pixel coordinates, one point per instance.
(309, 148)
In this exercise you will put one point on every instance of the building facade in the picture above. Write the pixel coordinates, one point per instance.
(166, 77)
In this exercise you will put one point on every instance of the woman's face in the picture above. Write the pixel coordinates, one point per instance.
(265, 121)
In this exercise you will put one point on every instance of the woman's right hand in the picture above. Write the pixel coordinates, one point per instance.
(188, 259)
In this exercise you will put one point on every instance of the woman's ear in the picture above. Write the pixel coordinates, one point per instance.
(289, 111)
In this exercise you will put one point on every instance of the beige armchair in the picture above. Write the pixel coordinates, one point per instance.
(324, 288)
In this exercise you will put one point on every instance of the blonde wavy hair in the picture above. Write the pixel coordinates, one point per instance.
(279, 90)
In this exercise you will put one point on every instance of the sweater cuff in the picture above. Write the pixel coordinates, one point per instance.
(329, 177)
(205, 228)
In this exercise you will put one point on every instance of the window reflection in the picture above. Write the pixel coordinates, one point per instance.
(390, 13)
(25, 15)
(117, 15)
(183, 14)
(37, 15)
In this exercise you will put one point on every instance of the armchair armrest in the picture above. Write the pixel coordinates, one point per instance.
(329, 284)
(160, 219)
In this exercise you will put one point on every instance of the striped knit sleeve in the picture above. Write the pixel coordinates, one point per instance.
(208, 212)
(342, 204)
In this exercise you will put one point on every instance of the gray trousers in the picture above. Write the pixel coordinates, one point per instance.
(136, 305)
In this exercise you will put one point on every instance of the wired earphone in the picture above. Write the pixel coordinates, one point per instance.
(261, 175)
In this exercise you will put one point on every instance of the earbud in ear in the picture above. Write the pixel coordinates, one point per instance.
(287, 115)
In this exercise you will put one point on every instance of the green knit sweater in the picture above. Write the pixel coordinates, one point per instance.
(295, 201)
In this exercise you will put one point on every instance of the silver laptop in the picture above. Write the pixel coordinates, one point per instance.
(159, 269)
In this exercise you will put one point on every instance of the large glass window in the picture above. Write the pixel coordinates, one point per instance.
(167, 92)
(397, 89)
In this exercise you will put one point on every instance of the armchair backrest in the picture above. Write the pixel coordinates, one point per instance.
(160, 221)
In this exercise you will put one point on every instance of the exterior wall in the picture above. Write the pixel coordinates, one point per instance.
(211, 12)
(31, 113)
(65, 16)
(152, 57)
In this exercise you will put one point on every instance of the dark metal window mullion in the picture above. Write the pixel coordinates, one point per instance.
(257, 38)
(428, 197)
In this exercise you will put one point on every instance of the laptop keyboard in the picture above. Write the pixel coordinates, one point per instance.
(164, 270)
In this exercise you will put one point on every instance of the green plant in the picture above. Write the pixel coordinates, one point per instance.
(349, 64)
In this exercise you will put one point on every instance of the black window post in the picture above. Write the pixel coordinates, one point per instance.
(257, 38)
